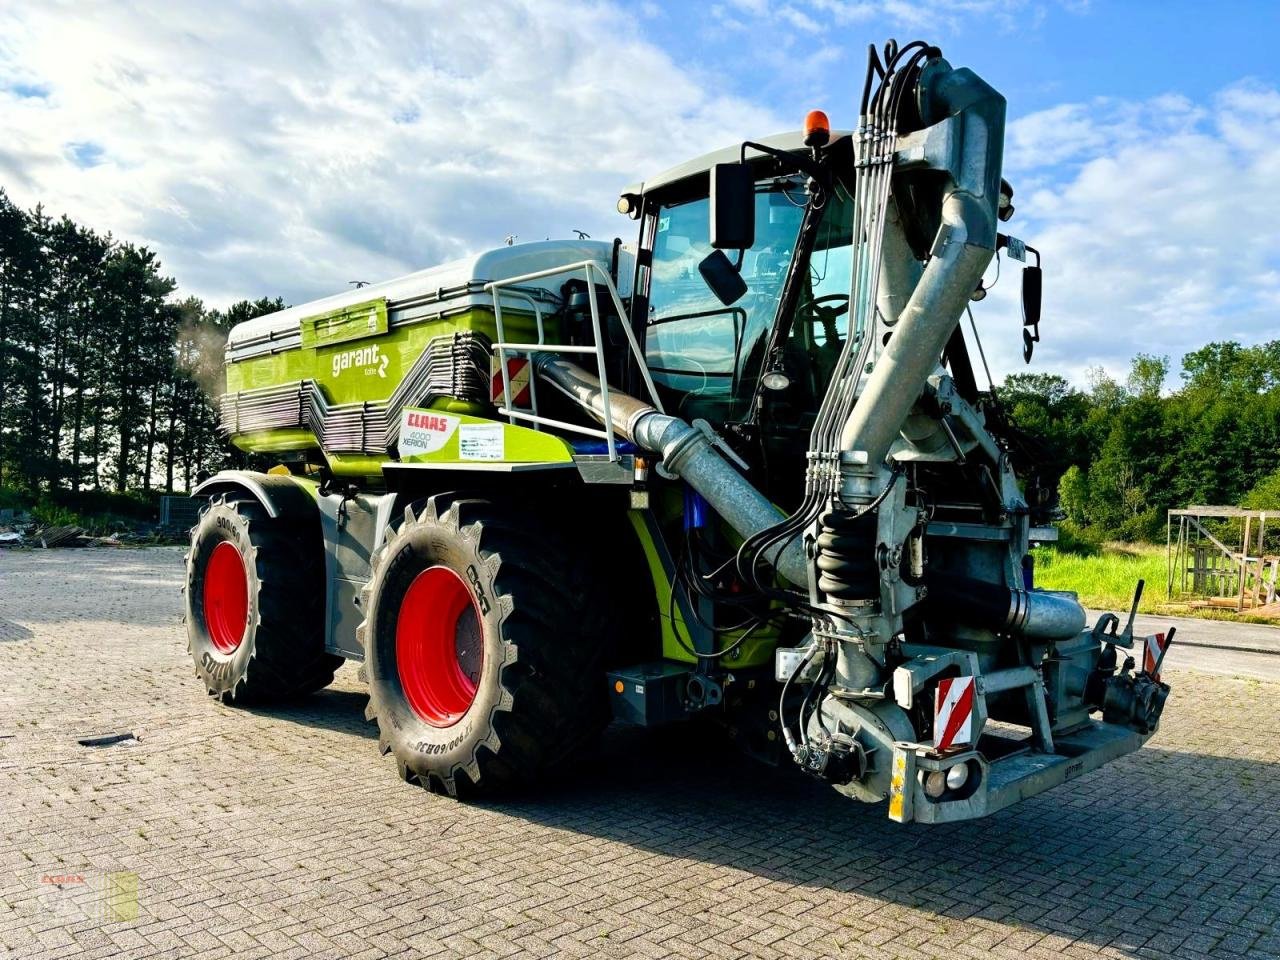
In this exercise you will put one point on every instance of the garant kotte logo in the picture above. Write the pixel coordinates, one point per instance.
(371, 359)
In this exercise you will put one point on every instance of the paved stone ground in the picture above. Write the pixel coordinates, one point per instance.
(283, 834)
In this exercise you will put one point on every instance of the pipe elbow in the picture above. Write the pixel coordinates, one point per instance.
(1046, 615)
(970, 219)
(657, 431)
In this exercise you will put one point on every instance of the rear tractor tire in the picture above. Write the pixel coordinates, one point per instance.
(255, 604)
(484, 641)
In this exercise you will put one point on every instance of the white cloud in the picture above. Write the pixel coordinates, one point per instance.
(1157, 223)
(290, 148)
(800, 20)
(935, 15)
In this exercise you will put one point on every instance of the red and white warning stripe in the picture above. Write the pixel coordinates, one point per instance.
(518, 373)
(953, 713)
(1152, 648)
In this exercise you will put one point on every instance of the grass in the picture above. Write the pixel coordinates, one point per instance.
(1106, 578)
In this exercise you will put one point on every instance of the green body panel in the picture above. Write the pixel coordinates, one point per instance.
(355, 322)
(276, 441)
(756, 651)
(306, 483)
(516, 445)
(356, 357)
(354, 464)
(367, 366)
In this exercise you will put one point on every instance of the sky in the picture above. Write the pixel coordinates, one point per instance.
(286, 148)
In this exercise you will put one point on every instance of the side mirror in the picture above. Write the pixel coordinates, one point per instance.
(722, 277)
(1032, 291)
(1031, 295)
(733, 207)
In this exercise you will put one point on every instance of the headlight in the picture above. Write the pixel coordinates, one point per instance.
(957, 776)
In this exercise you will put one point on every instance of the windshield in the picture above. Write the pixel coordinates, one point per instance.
(698, 348)
(821, 318)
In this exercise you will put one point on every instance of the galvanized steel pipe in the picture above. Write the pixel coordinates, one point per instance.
(686, 452)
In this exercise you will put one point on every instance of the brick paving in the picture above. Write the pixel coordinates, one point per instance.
(282, 833)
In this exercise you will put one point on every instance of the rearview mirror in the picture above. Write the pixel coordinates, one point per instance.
(722, 277)
(1031, 293)
(733, 207)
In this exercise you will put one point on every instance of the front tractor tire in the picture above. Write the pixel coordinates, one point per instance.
(255, 604)
(484, 643)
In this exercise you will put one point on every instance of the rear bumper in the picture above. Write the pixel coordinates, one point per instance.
(995, 784)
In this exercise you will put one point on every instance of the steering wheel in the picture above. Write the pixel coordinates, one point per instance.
(816, 311)
(821, 312)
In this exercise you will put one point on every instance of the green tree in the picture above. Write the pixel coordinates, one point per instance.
(1049, 415)
(105, 376)
(1073, 495)
(1147, 375)
(1265, 494)
(23, 398)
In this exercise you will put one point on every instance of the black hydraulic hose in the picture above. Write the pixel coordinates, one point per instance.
(873, 67)
(787, 736)
(687, 647)
(894, 474)
(821, 683)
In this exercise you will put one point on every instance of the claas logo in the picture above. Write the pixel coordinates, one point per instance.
(428, 421)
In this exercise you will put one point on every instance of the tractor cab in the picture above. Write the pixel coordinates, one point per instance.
(758, 365)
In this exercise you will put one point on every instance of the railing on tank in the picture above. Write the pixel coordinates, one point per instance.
(502, 347)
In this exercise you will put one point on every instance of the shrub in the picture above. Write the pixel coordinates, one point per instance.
(1265, 495)
(50, 514)
(1078, 539)
(1073, 494)
(1147, 526)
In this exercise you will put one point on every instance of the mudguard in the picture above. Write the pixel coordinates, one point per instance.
(280, 495)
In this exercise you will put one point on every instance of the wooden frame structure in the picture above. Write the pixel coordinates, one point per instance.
(1221, 575)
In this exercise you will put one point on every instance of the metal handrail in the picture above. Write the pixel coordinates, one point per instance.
(537, 317)
(503, 346)
(549, 347)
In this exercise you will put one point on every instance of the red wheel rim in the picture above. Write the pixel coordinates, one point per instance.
(439, 646)
(226, 598)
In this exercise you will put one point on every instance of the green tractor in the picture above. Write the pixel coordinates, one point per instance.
(738, 469)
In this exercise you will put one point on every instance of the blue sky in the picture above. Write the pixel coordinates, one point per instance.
(287, 147)
(1040, 54)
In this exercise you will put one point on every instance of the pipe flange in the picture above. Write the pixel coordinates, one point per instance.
(680, 449)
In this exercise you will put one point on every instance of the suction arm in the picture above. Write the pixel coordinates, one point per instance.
(966, 141)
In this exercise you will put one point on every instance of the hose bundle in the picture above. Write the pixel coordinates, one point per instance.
(888, 80)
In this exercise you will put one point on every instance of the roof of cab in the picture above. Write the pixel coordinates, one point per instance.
(792, 141)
